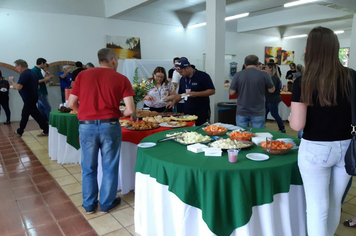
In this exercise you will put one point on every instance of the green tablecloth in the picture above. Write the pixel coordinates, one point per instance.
(66, 124)
(224, 191)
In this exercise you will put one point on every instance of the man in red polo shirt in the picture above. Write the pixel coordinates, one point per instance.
(96, 95)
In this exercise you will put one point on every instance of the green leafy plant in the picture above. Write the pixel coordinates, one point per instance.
(141, 87)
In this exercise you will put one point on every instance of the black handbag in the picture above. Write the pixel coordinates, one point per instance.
(350, 156)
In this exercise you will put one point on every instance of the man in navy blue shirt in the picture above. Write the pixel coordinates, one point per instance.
(28, 90)
(199, 86)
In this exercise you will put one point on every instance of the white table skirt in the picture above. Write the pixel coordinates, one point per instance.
(59, 150)
(159, 212)
(283, 112)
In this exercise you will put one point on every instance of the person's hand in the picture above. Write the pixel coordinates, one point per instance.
(192, 94)
(46, 79)
(11, 79)
(169, 105)
(148, 97)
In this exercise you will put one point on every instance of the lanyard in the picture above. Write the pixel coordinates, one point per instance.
(159, 92)
(188, 83)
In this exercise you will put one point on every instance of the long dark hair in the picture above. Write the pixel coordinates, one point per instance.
(160, 69)
(323, 69)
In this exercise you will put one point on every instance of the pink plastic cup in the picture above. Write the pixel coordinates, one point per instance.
(232, 153)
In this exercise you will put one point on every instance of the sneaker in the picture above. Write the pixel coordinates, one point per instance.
(116, 202)
(282, 131)
(350, 223)
(91, 212)
(17, 134)
(42, 135)
(7, 123)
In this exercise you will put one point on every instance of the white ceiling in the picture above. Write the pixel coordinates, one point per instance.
(267, 17)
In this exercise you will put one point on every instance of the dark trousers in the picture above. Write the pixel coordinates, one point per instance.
(273, 108)
(63, 95)
(5, 106)
(30, 109)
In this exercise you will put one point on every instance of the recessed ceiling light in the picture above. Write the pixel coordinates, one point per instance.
(196, 25)
(226, 19)
(295, 3)
(296, 36)
(236, 16)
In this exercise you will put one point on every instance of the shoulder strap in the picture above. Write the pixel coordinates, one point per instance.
(353, 97)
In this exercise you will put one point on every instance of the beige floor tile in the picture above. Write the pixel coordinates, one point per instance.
(122, 205)
(59, 173)
(345, 216)
(352, 200)
(65, 180)
(98, 213)
(45, 161)
(69, 165)
(105, 224)
(75, 169)
(29, 141)
(77, 199)
(345, 231)
(352, 191)
(129, 197)
(120, 232)
(349, 208)
(43, 156)
(125, 216)
(131, 229)
(348, 198)
(39, 152)
(54, 166)
(37, 147)
(71, 189)
(78, 177)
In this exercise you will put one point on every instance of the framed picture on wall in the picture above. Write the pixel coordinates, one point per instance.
(344, 56)
(287, 57)
(125, 47)
(274, 53)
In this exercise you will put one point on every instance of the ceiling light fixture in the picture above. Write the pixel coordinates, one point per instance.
(339, 32)
(295, 3)
(226, 19)
(196, 25)
(237, 16)
(296, 36)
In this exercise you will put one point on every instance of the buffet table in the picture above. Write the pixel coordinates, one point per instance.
(183, 193)
(64, 147)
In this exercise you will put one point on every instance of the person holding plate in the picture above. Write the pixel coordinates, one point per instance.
(158, 97)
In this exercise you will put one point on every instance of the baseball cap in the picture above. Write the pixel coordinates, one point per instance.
(181, 64)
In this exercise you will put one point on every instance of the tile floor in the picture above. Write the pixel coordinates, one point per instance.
(40, 197)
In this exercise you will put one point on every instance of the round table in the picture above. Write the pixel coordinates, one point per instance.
(223, 193)
(64, 147)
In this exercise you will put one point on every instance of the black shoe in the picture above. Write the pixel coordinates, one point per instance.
(7, 123)
(116, 202)
(19, 135)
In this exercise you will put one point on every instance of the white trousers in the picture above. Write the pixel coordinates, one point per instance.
(322, 167)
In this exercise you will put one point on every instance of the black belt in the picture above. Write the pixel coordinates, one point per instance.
(97, 121)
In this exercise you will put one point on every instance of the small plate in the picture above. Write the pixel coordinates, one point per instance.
(257, 156)
(146, 145)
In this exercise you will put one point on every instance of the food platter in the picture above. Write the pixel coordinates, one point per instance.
(185, 118)
(168, 114)
(225, 146)
(130, 128)
(188, 138)
(174, 124)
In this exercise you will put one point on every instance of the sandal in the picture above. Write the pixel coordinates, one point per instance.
(350, 223)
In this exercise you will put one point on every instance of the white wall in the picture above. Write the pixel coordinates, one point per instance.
(57, 37)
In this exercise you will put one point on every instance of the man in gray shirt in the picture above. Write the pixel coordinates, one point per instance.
(250, 85)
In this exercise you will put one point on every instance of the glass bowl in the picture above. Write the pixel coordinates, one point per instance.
(243, 138)
(276, 151)
(215, 133)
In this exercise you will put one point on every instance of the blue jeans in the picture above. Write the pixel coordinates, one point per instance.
(256, 121)
(107, 138)
(273, 108)
(322, 167)
(43, 106)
